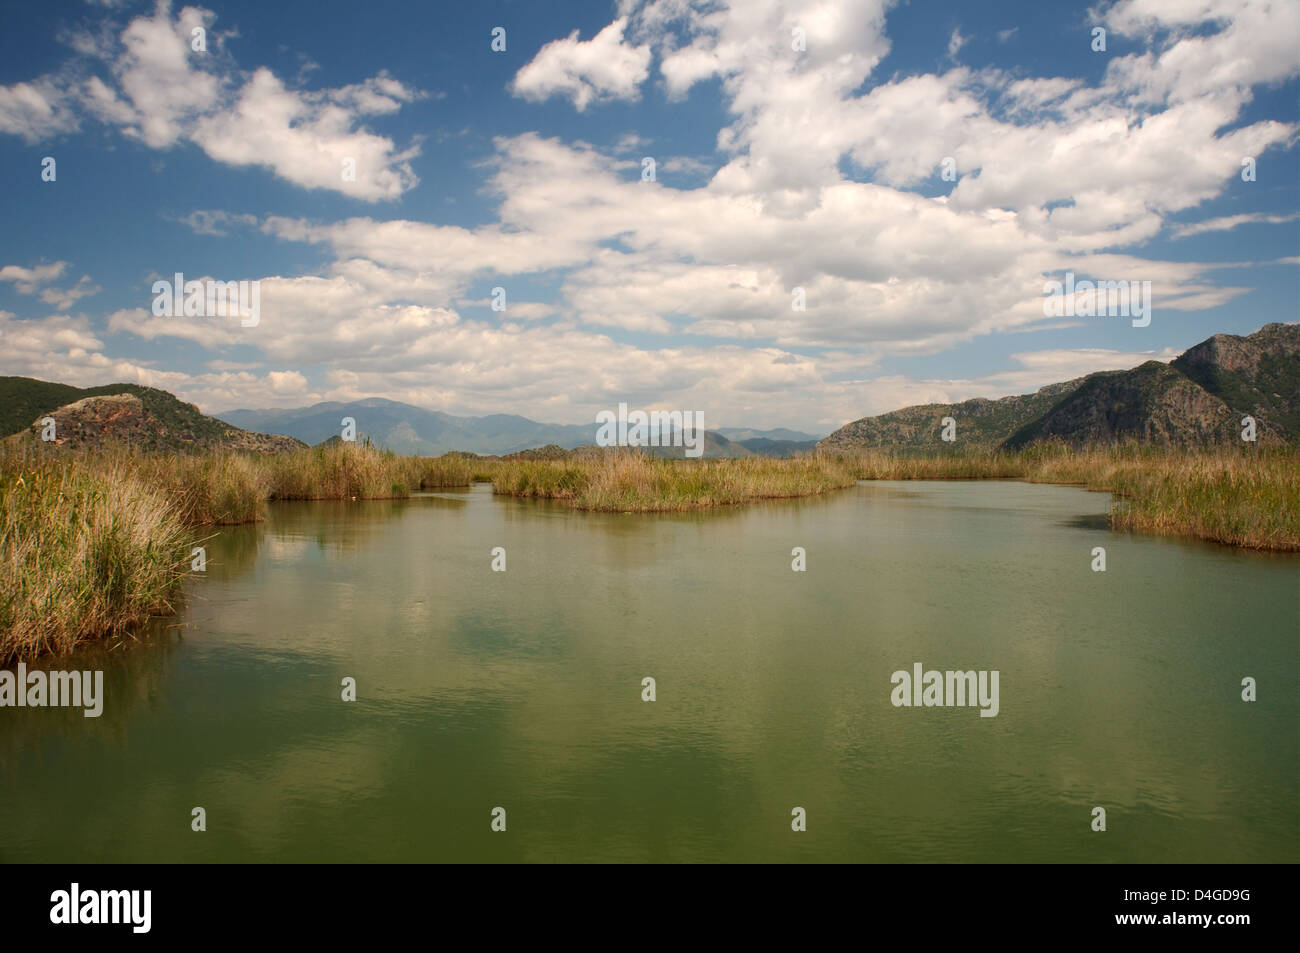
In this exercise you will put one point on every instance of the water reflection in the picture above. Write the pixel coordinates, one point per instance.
(523, 689)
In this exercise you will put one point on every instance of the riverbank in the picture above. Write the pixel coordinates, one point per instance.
(1248, 498)
(92, 545)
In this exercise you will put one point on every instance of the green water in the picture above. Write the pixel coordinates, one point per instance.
(522, 689)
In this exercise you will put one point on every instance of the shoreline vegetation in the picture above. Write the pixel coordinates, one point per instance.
(93, 543)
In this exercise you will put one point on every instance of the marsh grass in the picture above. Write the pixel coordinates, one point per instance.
(92, 544)
(216, 489)
(634, 482)
(1247, 496)
(340, 471)
(449, 470)
(85, 552)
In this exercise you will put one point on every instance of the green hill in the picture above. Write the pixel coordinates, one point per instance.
(144, 417)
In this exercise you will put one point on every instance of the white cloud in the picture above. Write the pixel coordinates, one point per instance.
(65, 298)
(38, 340)
(162, 92)
(309, 139)
(955, 43)
(27, 280)
(598, 70)
(36, 110)
(1229, 222)
(216, 221)
(37, 280)
(631, 142)
(882, 269)
(1055, 173)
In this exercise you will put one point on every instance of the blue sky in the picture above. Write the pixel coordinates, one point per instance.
(795, 145)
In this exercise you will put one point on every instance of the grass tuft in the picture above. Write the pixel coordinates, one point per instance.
(85, 552)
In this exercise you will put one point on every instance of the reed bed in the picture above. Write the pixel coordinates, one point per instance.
(634, 482)
(967, 465)
(1248, 496)
(92, 544)
(215, 489)
(359, 471)
(446, 471)
(85, 552)
(340, 471)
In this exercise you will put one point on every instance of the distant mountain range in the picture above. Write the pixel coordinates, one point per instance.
(154, 419)
(408, 429)
(1196, 400)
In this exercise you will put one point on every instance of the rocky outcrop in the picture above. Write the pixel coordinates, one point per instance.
(1153, 403)
(94, 423)
(1258, 374)
(982, 422)
(1198, 400)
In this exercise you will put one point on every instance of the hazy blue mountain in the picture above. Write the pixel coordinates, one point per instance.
(409, 429)
(764, 447)
(779, 434)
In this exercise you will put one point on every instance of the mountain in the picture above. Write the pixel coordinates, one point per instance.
(779, 435)
(715, 445)
(1196, 400)
(404, 428)
(408, 429)
(161, 421)
(1258, 374)
(1153, 403)
(980, 422)
(780, 442)
(143, 417)
(763, 447)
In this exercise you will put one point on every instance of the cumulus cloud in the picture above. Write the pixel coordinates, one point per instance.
(27, 280)
(36, 110)
(598, 70)
(38, 280)
(825, 186)
(161, 92)
(65, 298)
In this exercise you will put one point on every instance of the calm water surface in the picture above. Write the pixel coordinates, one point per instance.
(522, 689)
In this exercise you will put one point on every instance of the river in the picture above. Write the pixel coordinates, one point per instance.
(523, 690)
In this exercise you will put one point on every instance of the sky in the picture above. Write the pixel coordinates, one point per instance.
(779, 214)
